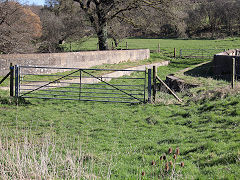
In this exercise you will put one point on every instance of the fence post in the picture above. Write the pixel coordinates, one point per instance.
(180, 53)
(174, 53)
(154, 83)
(233, 72)
(11, 80)
(16, 80)
(149, 85)
(158, 47)
(126, 45)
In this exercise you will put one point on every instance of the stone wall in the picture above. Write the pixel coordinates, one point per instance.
(72, 60)
(222, 62)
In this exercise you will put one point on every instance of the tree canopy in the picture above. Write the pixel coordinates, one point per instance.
(27, 28)
(19, 26)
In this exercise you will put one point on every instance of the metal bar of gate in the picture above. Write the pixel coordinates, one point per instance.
(80, 86)
(17, 80)
(49, 83)
(91, 100)
(43, 67)
(145, 85)
(108, 77)
(112, 86)
(94, 84)
(28, 86)
(82, 92)
(149, 85)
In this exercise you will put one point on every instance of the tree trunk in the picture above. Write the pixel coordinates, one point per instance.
(115, 42)
(103, 37)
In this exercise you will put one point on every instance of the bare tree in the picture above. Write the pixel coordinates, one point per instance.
(102, 12)
(218, 18)
(61, 22)
(19, 26)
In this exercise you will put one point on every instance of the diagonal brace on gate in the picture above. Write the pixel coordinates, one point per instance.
(50, 83)
(100, 79)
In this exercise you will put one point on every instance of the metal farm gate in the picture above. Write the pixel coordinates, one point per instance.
(81, 84)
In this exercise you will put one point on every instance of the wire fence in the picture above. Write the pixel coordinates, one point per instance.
(199, 53)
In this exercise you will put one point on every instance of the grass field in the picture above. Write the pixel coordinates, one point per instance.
(71, 139)
(165, 44)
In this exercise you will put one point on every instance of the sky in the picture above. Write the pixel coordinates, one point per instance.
(36, 2)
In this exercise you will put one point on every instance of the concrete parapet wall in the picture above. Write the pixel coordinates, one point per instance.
(231, 52)
(222, 62)
(72, 60)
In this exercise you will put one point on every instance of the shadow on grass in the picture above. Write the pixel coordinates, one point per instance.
(227, 159)
(13, 101)
(206, 71)
(184, 63)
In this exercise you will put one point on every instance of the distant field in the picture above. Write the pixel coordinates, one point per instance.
(70, 139)
(165, 44)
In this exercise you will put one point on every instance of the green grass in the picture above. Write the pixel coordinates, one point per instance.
(166, 45)
(122, 140)
(125, 138)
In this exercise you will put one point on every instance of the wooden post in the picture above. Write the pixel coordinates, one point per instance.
(11, 80)
(149, 85)
(70, 46)
(233, 73)
(174, 53)
(161, 81)
(158, 47)
(154, 83)
(112, 45)
(126, 45)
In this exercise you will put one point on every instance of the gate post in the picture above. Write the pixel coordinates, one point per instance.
(149, 85)
(11, 80)
(80, 85)
(16, 80)
(233, 72)
(154, 83)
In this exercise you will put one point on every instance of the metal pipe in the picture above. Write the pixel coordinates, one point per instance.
(108, 77)
(139, 94)
(42, 67)
(90, 100)
(103, 97)
(70, 87)
(16, 80)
